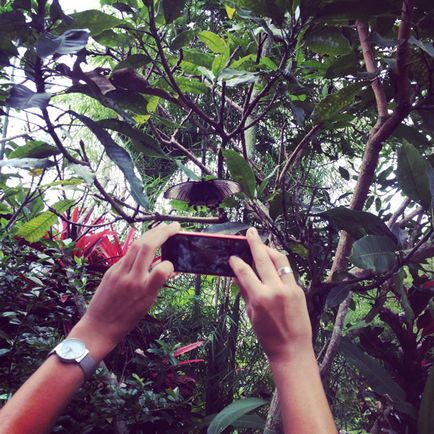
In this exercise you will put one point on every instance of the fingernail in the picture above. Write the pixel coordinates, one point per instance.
(252, 231)
(233, 259)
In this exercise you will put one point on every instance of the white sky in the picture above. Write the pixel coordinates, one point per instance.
(69, 6)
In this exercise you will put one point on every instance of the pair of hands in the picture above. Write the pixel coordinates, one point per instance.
(276, 305)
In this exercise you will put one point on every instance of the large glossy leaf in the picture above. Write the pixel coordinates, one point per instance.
(172, 9)
(213, 41)
(134, 61)
(34, 149)
(425, 422)
(27, 163)
(233, 77)
(328, 40)
(37, 227)
(357, 223)
(412, 135)
(413, 175)
(141, 141)
(12, 24)
(376, 376)
(70, 42)
(344, 10)
(374, 252)
(95, 20)
(20, 97)
(241, 172)
(332, 105)
(232, 412)
(191, 85)
(182, 40)
(120, 157)
(229, 228)
(274, 9)
(428, 47)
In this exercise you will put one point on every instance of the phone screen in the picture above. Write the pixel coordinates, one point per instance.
(205, 253)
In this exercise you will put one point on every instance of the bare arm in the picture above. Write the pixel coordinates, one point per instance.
(125, 294)
(277, 309)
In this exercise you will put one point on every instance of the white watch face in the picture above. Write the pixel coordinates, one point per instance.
(71, 349)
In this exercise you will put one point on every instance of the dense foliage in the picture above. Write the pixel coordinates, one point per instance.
(323, 111)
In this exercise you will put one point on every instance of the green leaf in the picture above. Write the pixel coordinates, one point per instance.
(20, 97)
(4, 351)
(70, 42)
(332, 105)
(342, 66)
(252, 421)
(214, 42)
(232, 412)
(357, 223)
(229, 228)
(241, 172)
(172, 9)
(344, 173)
(412, 135)
(187, 171)
(95, 20)
(374, 252)
(27, 163)
(191, 85)
(376, 376)
(134, 61)
(274, 9)
(13, 24)
(141, 141)
(219, 62)
(182, 40)
(425, 422)
(413, 175)
(328, 40)
(4, 209)
(130, 100)
(119, 156)
(197, 57)
(337, 295)
(234, 77)
(428, 47)
(36, 228)
(34, 149)
(84, 172)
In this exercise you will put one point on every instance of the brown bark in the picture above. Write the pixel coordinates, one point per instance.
(381, 131)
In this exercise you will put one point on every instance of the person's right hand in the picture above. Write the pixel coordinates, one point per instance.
(127, 291)
(276, 305)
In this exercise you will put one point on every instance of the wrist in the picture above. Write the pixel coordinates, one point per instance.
(98, 344)
(292, 354)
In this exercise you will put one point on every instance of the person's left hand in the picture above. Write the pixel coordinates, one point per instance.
(126, 292)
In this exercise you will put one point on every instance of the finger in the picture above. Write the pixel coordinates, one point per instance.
(280, 260)
(249, 283)
(148, 245)
(264, 265)
(156, 279)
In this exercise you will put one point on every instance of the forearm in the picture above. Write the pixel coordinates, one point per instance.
(35, 407)
(304, 406)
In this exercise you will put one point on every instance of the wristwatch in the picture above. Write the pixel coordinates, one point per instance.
(75, 351)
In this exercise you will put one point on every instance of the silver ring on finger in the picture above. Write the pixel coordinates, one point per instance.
(284, 270)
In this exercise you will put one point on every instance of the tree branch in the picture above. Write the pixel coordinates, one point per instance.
(379, 133)
(368, 57)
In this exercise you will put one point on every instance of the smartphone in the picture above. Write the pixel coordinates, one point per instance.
(202, 253)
